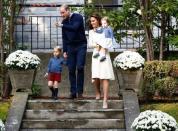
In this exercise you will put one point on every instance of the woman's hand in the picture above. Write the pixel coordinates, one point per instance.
(96, 45)
(65, 55)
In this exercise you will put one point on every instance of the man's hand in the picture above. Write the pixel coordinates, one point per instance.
(65, 55)
(58, 24)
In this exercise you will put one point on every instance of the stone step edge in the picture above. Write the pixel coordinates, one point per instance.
(68, 100)
(83, 129)
(76, 110)
(71, 119)
(85, 123)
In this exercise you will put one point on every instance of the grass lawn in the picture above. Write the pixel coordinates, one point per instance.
(170, 108)
(4, 107)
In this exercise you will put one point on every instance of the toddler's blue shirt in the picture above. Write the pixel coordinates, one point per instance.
(108, 32)
(55, 65)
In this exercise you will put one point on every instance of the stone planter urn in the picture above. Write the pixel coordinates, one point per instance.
(22, 66)
(21, 80)
(130, 80)
(129, 65)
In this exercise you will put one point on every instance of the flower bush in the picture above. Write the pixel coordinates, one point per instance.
(129, 60)
(152, 120)
(2, 127)
(22, 60)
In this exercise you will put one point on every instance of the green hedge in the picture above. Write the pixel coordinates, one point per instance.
(0, 79)
(160, 78)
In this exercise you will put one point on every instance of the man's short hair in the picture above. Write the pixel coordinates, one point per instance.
(66, 7)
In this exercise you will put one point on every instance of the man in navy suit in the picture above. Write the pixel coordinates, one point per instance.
(74, 48)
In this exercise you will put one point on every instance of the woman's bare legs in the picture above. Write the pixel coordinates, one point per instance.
(97, 88)
(105, 83)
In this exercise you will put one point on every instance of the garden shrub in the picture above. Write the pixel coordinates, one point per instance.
(165, 86)
(148, 89)
(1, 80)
(174, 71)
(163, 69)
(149, 70)
(159, 77)
(36, 90)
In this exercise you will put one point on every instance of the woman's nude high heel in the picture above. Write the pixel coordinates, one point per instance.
(105, 104)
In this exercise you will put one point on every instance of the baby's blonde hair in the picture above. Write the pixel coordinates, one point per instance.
(106, 19)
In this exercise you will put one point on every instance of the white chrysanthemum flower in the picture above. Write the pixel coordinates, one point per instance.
(154, 120)
(22, 60)
(2, 127)
(129, 60)
(139, 11)
(132, 9)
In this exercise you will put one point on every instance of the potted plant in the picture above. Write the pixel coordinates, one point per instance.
(152, 120)
(129, 66)
(2, 127)
(21, 68)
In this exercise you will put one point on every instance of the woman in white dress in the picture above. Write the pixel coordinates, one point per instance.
(102, 72)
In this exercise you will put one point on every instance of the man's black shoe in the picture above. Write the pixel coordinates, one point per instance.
(55, 98)
(80, 96)
(72, 96)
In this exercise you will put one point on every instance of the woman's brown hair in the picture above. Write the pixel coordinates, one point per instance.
(97, 17)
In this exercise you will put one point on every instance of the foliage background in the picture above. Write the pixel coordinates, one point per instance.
(160, 78)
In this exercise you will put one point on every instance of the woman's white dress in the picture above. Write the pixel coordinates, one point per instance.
(104, 69)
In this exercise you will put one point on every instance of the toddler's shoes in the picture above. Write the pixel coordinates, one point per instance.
(96, 55)
(102, 58)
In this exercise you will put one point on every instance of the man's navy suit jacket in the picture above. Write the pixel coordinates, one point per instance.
(73, 32)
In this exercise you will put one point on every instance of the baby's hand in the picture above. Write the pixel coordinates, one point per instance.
(46, 75)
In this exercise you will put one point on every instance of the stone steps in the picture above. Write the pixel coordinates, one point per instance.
(72, 114)
(73, 123)
(72, 129)
(42, 114)
(67, 104)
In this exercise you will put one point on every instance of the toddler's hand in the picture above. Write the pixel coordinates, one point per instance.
(46, 75)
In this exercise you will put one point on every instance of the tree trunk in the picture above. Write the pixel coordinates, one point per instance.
(149, 44)
(144, 5)
(162, 37)
(11, 25)
(1, 28)
(1, 47)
